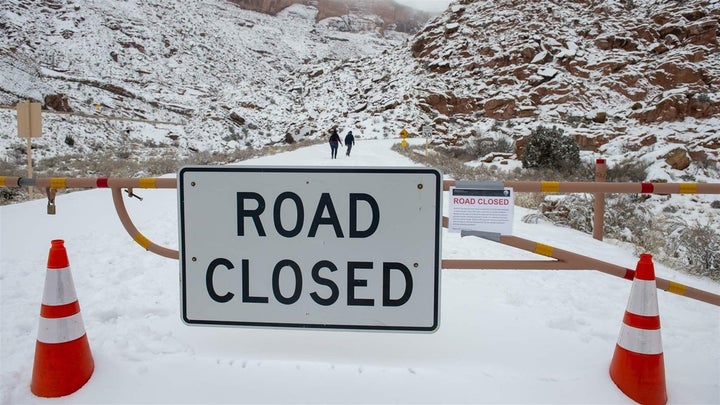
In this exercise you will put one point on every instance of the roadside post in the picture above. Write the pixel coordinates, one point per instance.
(29, 121)
(599, 204)
(427, 132)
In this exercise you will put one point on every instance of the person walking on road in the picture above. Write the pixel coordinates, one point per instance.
(349, 142)
(334, 142)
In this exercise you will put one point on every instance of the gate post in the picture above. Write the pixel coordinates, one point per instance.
(599, 206)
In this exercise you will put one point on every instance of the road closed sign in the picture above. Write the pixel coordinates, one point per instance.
(338, 248)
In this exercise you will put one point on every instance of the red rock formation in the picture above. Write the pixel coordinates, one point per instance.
(659, 63)
(678, 159)
(57, 102)
(402, 18)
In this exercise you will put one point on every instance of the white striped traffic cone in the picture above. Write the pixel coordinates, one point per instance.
(637, 366)
(63, 361)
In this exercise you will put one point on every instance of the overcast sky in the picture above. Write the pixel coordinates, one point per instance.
(426, 5)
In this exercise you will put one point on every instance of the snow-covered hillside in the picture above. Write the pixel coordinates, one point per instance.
(625, 78)
(214, 76)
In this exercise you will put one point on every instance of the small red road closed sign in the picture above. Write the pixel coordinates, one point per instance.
(338, 248)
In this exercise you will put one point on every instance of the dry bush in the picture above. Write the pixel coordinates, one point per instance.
(628, 171)
(582, 172)
(482, 147)
(443, 161)
(573, 210)
(10, 169)
(459, 153)
(626, 216)
(11, 194)
(529, 200)
(137, 160)
(697, 247)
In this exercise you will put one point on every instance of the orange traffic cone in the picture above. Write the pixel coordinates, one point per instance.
(637, 366)
(63, 362)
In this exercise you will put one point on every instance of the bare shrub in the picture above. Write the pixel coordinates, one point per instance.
(572, 210)
(123, 154)
(626, 218)
(17, 154)
(483, 147)
(629, 170)
(529, 200)
(442, 159)
(582, 172)
(130, 161)
(59, 165)
(11, 194)
(703, 98)
(462, 153)
(698, 247)
(166, 163)
(10, 168)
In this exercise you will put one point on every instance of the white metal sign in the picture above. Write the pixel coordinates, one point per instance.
(477, 209)
(342, 248)
(427, 131)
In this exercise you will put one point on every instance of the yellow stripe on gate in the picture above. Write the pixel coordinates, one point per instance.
(58, 182)
(146, 182)
(550, 186)
(688, 188)
(2, 181)
(142, 241)
(544, 250)
(677, 288)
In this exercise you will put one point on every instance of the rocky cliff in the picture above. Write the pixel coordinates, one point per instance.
(649, 61)
(621, 76)
(618, 75)
(387, 13)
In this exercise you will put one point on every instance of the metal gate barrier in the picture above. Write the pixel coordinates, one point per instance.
(564, 260)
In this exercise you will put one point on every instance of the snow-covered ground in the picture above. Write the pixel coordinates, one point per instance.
(504, 336)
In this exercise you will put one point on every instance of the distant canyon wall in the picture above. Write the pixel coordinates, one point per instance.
(267, 6)
(402, 18)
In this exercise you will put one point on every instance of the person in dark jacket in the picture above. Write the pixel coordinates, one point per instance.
(334, 142)
(349, 142)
